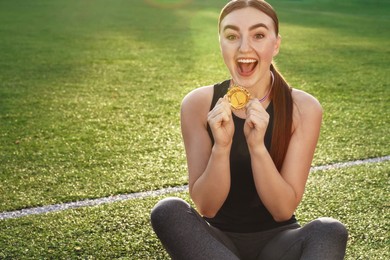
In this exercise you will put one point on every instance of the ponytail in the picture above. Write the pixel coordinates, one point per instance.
(283, 108)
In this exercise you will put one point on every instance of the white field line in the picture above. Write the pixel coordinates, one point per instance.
(122, 197)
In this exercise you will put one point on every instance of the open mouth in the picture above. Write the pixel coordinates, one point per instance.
(246, 66)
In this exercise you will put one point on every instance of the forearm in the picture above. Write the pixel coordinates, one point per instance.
(276, 194)
(210, 190)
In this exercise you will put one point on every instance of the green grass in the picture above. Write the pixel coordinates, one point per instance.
(90, 95)
(356, 196)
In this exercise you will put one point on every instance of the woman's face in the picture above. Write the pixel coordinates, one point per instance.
(248, 44)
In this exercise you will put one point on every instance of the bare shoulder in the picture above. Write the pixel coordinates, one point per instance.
(306, 107)
(198, 100)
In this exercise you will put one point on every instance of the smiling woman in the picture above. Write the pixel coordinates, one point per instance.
(249, 142)
(168, 3)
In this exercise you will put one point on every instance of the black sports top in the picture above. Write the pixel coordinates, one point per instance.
(243, 211)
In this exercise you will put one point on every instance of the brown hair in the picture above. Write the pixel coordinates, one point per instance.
(281, 92)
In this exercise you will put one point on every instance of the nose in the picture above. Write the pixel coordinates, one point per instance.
(245, 45)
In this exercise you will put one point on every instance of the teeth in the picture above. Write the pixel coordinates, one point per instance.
(247, 60)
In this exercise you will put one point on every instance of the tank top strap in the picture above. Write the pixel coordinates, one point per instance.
(220, 89)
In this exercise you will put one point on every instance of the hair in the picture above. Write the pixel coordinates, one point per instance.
(281, 91)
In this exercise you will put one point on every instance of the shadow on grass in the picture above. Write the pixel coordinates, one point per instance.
(348, 17)
(52, 45)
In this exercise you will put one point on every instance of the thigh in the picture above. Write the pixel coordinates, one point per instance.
(323, 238)
(285, 245)
(186, 235)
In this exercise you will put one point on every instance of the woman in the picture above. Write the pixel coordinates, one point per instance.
(249, 143)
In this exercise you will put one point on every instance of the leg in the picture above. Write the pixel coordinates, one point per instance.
(186, 235)
(323, 238)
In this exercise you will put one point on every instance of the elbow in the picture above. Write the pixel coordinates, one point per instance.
(208, 213)
(204, 208)
(282, 216)
(285, 211)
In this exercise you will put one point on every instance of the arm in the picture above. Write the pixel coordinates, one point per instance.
(208, 166)
(282, 192)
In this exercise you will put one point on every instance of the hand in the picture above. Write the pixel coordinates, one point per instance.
(221, 123)
(256, 123)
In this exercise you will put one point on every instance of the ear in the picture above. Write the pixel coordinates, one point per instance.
(277, 45)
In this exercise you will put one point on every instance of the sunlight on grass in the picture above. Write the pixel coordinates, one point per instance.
(103, 99)
(90, 99)
(356, 196)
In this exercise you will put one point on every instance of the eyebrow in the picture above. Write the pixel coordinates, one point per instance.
(255, 26)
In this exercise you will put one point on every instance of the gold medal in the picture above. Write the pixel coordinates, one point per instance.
(238, 97)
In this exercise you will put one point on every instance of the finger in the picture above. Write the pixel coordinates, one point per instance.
(219, 115)
(257, 118)
(256, 109)
(220, 108)
(225, 106)
(254, 104)
(220, 100)
(252, 119)
(223, 102)
(255, 112)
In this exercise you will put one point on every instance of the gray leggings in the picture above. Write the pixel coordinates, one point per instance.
(186, 235)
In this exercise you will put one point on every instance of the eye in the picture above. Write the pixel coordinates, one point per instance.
(259, 36)
(231, 37)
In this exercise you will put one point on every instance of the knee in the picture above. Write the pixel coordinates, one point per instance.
(332, 228)
(167, 211)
